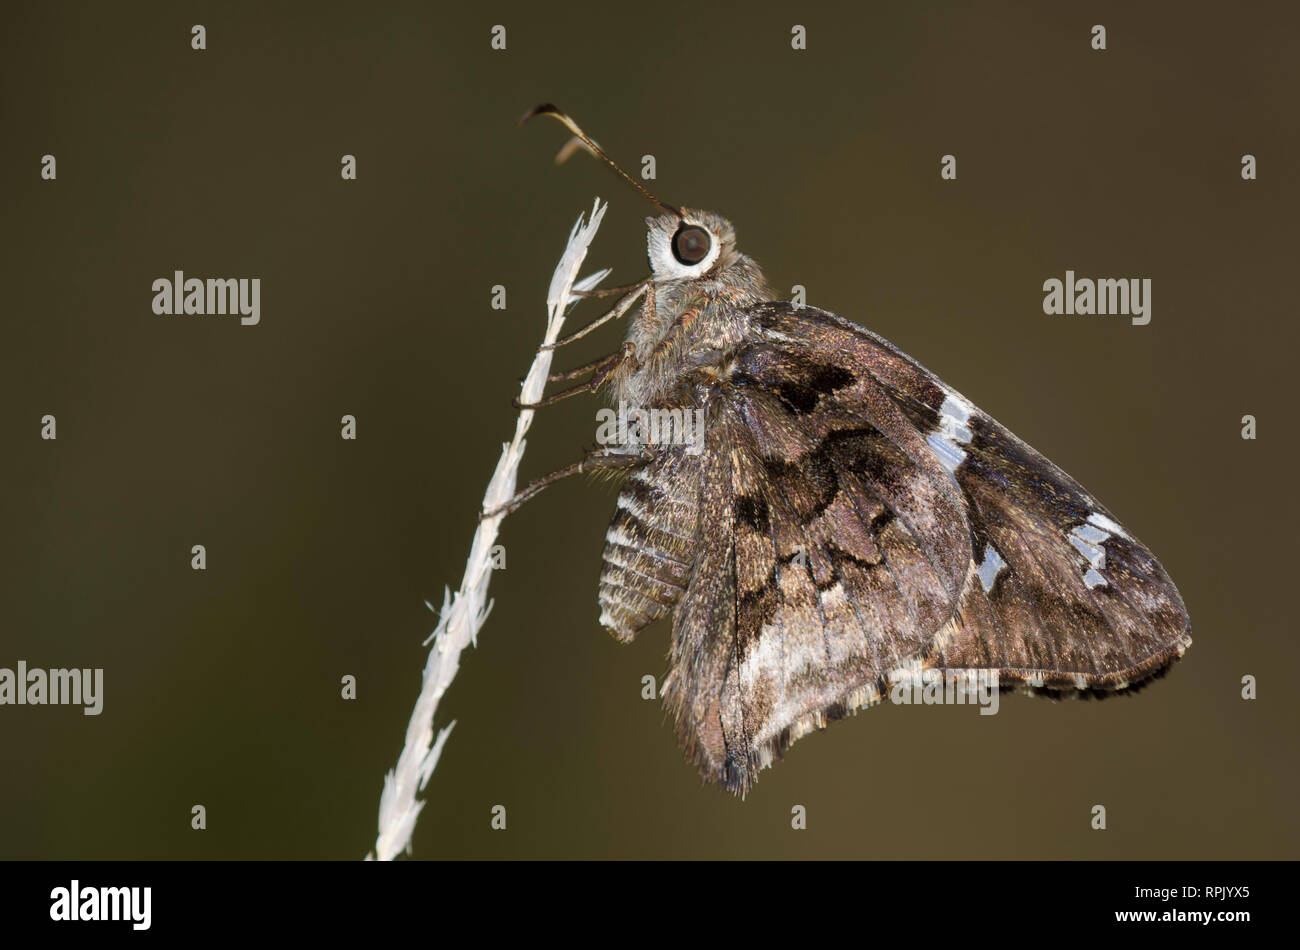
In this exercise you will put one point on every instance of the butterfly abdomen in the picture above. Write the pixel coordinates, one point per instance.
(650, 544)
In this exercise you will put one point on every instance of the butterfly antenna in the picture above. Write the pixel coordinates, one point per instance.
(583, 140)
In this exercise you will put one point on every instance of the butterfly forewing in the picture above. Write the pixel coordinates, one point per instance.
(1075, 599)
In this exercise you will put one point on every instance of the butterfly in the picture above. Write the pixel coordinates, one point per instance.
(847, 522)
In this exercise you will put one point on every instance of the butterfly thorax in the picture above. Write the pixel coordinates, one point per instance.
(684, 334)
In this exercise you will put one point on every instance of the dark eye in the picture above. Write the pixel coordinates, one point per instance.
(691, 244)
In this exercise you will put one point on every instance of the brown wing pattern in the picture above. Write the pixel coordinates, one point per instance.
(859, 521)
(1060, 594)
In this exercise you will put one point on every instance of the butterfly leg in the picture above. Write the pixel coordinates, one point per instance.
(600, 371)
(683, 321)
(599, 459)
(574, 373)
(614, 313)
(609, 291)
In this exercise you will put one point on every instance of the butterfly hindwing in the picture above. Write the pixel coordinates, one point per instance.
(765, 637)
(816, 573)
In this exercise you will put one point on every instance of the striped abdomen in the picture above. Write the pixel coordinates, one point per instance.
(650, 544)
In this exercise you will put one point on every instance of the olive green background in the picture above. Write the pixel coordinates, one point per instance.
(222, 687)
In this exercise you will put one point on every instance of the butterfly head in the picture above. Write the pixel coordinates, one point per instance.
(688, 244)
(683, 244)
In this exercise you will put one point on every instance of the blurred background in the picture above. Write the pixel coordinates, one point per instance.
(222, 687)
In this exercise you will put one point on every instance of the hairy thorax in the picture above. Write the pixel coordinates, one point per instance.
(684, 335)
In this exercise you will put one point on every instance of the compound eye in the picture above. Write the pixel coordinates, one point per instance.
(691, 244)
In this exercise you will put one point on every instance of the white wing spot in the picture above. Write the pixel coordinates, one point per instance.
(1091, 534)
(1088, 539)
(952, 432)
(946, 452)
(1095, 555)
(1101, 521)
(956, 404)
(990, 567)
